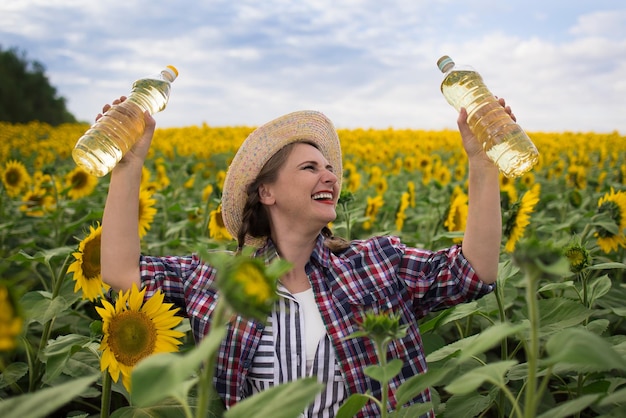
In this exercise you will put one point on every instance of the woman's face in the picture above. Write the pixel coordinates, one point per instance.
(305, 191)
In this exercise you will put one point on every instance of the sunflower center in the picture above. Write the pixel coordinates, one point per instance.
(79, 180)
(91, 259)
(13, 177)
(132, 337)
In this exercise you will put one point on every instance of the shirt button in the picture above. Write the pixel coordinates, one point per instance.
(246, 364)
(260, 327)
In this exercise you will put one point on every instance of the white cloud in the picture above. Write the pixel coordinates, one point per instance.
(364, 62)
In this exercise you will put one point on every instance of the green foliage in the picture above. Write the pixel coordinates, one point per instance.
(26, 93)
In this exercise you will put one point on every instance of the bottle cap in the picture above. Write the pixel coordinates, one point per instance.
(172, 71)
(445, 63)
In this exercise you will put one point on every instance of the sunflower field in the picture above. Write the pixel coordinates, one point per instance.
(549, 342)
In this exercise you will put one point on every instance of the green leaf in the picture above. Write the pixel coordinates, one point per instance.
(40, 307)
(12, 373)
(571, 407)
(159, 411)
(43, 402)
(385, 373)
(607, 266)
(491, 373)
(415, 410)
(598, 288)
(162, 375)
(57, 353)
(617, 397)
(488, 338)
(557, 286)
(283, 401)
(559, 313)
(418, 383)
(584, 350)
(468, 405)
(459, 312)
(352, 405)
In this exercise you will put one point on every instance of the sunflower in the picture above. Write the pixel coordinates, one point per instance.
(37, 203)
(613, 204)
(442, 175)
(411, 189)
(80, 183)
(373, 206)
(86, 268)
(217, 229)
(162, 179)
(146, 211)
(456, 218)
(401, 212)
(207, 192)
(578, 256)
(15, 177)
(520, 217)
(134, 330)
(10, 321)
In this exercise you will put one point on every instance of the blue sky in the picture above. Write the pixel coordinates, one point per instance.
(560, 64)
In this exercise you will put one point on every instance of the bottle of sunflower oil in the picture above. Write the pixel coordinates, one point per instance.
(107, 141)
(504, 141)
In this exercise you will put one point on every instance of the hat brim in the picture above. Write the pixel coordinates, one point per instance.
(260, 146)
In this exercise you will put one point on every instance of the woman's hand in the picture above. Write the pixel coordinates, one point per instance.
(139, 151)
(473, 147)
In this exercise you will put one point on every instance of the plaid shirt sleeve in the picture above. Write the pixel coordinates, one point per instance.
(438, 279)
(183, 280)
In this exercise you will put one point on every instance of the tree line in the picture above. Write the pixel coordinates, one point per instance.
(26, 93)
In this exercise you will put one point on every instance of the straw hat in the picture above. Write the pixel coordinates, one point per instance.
(261, 145)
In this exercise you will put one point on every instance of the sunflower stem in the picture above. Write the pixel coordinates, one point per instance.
(532, 353)
(105, 403)
(206, 376)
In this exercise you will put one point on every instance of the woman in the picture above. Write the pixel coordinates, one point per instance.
(280, 193)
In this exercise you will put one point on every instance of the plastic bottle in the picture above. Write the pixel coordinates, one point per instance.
(504, 141)
(108, 140)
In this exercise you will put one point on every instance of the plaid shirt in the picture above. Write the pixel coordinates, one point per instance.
(379, 274)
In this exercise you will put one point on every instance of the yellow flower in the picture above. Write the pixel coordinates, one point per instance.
(613, 204)
(190, 181)
(162, 179)
(373, 206)
(80, 183)
(15, 177)
(456, 218)
(134, 330)
(37, 203)
(86, 268)
(247, 284)
(520, 217)
(217, 229)
(401, 212)
(10, 321)
(578, 257)
(442, 175)
(411, 189)
(207, 192)
(147, 211)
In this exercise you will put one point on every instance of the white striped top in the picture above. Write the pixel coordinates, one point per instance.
(281, 357)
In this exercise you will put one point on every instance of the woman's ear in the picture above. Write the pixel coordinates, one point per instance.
(265, 195)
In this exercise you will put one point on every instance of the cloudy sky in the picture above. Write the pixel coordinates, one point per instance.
(561, 64)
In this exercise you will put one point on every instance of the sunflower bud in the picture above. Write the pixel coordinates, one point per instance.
(248, 285)
(578, 256)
